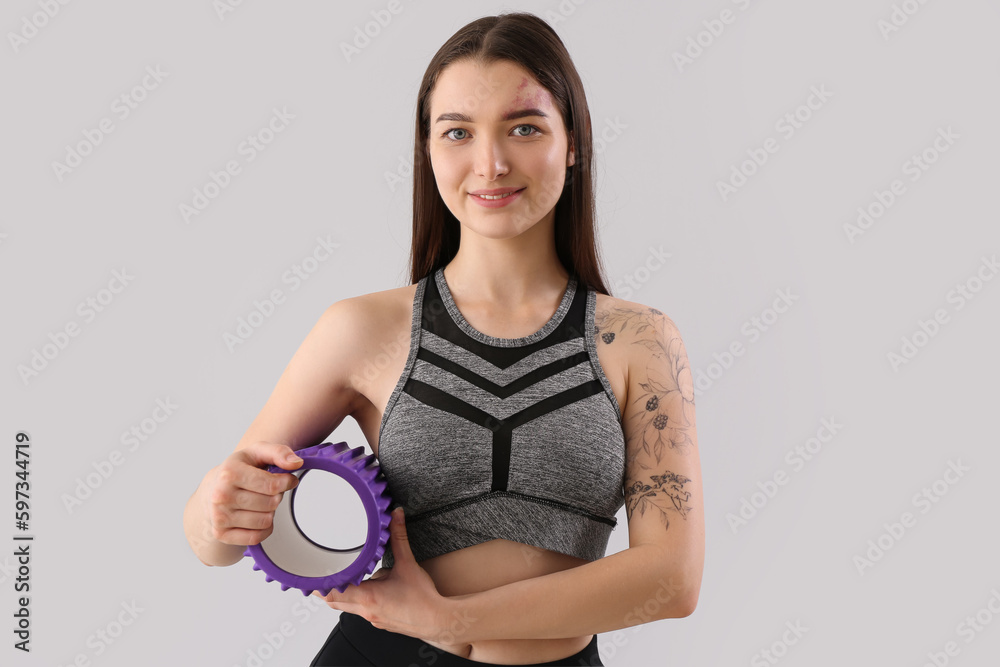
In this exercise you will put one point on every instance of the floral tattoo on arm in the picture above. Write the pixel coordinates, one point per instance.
(665, 390)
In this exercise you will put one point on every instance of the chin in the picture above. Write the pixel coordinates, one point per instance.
(502, 229)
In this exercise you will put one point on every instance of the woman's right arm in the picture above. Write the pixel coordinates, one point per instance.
(235, 502)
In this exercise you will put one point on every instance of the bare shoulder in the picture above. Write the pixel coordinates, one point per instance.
(373, 324)
(628, 319)
(376, 307)
(648, 338)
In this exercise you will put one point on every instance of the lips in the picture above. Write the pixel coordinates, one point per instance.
(494, 195)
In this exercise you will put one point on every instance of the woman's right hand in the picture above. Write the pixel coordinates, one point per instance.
(241, 495)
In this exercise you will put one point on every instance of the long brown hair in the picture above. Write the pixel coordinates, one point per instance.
(528, 41)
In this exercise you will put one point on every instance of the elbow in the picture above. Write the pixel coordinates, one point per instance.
(687, 599)
(675, 600)
(205, 562)
(686, 606)
(690, 587)
(684, 593)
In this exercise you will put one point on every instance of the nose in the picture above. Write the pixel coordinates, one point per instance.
(490, 159)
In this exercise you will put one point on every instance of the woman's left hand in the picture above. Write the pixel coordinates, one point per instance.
(400, 599)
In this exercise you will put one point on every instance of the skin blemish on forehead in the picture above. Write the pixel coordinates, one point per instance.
(528, 100)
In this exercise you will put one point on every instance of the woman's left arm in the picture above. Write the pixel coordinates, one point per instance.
(659, 575)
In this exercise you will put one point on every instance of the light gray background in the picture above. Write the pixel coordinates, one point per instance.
(683, 129)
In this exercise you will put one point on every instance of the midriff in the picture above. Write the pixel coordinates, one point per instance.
(483, 566)
(489, 565)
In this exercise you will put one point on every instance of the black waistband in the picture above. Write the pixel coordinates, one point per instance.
(390, 648)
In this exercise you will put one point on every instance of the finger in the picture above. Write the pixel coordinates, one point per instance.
(255, 502)
(260, 481)
(397, 533)
(248, 520)
(263, 454)
(243, 537)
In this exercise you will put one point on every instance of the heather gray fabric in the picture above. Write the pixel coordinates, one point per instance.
(514, 438)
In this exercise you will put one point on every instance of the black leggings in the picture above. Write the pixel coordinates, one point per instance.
(355, 642)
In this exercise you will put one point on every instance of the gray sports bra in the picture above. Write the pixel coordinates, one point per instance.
(503, 438)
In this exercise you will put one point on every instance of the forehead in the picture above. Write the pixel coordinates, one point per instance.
(467, 87)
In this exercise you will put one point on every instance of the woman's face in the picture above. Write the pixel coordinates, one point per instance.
(494, 127)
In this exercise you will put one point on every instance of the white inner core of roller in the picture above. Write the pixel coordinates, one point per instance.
(292, 551)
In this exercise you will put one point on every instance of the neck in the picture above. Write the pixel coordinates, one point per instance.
(508, 273)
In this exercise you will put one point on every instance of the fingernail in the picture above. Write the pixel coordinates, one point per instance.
(293, 459)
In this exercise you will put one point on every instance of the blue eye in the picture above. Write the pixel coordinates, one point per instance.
(460, 129)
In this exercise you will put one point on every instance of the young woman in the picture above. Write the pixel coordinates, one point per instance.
(513, 404)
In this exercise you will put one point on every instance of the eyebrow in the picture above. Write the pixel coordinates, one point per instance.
(510, 115)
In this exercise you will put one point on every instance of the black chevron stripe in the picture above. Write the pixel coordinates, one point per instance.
(503, 391)
(442, 400)
(501, 428)
(553, 403)
(436, 319)
(437, 398)
(502, 438)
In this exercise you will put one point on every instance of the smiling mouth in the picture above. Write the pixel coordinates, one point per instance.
(495, 197)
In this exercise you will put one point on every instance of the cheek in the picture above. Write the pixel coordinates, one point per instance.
(550, 170)
(447, 172)
(552, 159)
(550, 163)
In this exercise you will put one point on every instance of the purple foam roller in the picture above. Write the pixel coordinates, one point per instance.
(289, 557)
